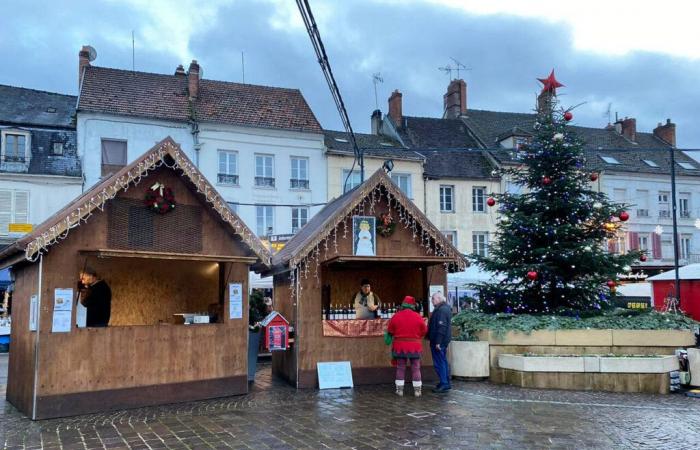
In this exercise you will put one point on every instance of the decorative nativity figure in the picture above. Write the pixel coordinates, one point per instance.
(365, 246)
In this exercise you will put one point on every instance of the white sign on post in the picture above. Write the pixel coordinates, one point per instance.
(434, 288)
(235, 298)
(33, 310)
(333, 375)
(62, 310)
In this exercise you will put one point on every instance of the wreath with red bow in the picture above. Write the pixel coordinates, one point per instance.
(386, 225)
(160, 198)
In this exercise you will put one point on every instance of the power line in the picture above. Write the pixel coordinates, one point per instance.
(315, 36)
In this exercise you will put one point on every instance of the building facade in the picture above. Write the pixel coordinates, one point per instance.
(261, 146)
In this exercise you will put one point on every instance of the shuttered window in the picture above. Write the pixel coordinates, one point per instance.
(14, 208)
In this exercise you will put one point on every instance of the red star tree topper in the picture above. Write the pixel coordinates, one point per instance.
(550, 84)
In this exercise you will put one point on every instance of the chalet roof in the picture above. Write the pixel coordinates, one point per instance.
(338, 142)
(79, 210)
(161, 96)
(325, 221)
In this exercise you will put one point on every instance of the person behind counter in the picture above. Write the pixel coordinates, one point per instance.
(366, 302)
(96, 296)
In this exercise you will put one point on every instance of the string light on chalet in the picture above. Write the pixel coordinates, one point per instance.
(132, 177)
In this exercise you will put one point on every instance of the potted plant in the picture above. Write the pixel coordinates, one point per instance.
(256, 314)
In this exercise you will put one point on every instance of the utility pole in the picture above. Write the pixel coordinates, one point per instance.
(675, 223)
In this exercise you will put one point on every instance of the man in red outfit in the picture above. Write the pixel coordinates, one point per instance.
(407, 329)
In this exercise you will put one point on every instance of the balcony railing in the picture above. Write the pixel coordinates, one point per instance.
(14, 159)
(664, 214)
(295, 183)
(225, 178)
(11, 163)
(265, 181)
(642, 213)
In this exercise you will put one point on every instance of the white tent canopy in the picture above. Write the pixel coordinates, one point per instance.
(255, 281)
(473, 274)
(634, 290)
(689, 272)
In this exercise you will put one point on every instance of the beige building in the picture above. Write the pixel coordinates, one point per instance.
(407, 171)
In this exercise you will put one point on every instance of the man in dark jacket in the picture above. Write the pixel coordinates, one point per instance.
(96, 296)
(440, 333)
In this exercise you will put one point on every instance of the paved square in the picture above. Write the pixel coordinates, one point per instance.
(472, 415)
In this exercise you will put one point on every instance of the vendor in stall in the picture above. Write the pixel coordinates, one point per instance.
(96, 296)
(366, 302)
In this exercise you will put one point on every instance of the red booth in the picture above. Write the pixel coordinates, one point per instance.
(276, 332)
(663, 286)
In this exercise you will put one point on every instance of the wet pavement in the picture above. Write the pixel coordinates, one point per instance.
(472, 415)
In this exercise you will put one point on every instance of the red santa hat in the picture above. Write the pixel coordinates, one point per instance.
(409, 302)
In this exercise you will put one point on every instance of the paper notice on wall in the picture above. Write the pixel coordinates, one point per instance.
(235, 295)
(434, 289)
(62, 310)
(33, 312)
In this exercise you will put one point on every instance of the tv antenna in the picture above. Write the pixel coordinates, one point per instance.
(608, 112)
(376, 79)
(456, 66)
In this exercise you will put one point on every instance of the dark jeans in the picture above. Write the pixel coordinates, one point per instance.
(442, 368)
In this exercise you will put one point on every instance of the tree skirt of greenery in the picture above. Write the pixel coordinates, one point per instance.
(469, 322)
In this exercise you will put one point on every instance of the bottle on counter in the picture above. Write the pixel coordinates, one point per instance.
(353, 313)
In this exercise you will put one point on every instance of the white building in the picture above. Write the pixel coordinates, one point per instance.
(261, 146)
(39, 168)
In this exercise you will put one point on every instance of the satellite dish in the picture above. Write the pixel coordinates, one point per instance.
(92, 53)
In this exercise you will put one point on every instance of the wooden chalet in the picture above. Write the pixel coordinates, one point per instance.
(161, 267)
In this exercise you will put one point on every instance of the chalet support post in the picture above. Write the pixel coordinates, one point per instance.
(36, 337)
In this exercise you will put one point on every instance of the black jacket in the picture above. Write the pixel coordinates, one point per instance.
(98, 301)
(440, 325)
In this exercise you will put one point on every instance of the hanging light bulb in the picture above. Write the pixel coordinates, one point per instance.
(659, 230)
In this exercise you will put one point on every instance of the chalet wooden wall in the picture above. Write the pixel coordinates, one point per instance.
(20, 377)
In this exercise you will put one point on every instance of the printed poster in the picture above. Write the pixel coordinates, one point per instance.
(235, 296)
(364, 236)
(434, 288)
(278, 338)
(33, 312)
(62, 310)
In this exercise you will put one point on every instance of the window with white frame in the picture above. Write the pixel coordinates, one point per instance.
(479, 199)
(684, 205)
(447, 198)
(264, 171)
(114, 154)
(14, 208)
(352, 181)
(686, 246)
(300, 173)
(15, 146)
(664, 205)
(451, 236)
(619, 195)
(667, 244)
(403, 181)
(643, 243)
(299, 218)
(264, 220)
(228, 168)
(642, 200)
(480, 243)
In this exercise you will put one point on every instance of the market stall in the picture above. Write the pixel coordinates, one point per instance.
(375, 236)
(175, 258)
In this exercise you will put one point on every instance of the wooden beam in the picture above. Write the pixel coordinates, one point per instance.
(114, 253)
(418, 260)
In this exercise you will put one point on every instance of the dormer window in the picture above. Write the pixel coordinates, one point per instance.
(687, 165)
(15, 151)
(650, 163)
(519, 142)
(609, 159)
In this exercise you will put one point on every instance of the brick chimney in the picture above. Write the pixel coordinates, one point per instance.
(628, 128)
(455, 100)
(395, 100)
(180, 70)
(193, 79)
(545, 103)
(83, 62)
(666, 132)
(376, 121)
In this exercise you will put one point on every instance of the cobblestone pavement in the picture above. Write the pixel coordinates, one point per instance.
(472, 415)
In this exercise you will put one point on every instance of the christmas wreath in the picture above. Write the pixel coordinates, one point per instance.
(386, 225)
(160, 198)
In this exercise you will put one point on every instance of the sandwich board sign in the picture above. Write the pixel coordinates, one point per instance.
(334, 375)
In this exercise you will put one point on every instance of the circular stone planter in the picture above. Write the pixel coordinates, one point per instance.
(469, 359)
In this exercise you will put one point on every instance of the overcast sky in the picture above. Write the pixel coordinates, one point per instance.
(642, 60)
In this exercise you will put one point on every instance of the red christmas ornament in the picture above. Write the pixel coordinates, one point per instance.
(594, 176)
(490, 201)
(550, 84)
(532, 275)
(568, 116)
(546, 181)
(643, 258)
(611, 284)
(624, 216)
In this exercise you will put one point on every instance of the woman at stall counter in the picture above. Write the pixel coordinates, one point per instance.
(366, 302)
(407, 329)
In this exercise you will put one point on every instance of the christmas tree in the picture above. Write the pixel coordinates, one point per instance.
(549, 253)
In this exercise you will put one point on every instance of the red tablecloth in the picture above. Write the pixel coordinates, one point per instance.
(354, 328)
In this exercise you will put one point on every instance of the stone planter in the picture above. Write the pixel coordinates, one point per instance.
(589, 363)
(469, 359)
